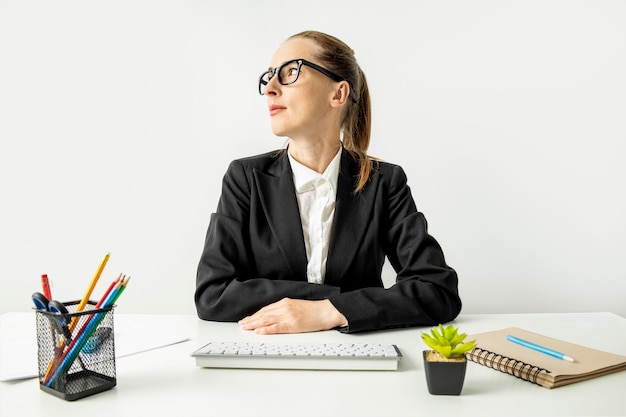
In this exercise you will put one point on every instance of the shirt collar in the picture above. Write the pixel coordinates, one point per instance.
(304, 178)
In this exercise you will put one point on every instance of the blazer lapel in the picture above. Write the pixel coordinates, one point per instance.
(278, 198)
(352, 215)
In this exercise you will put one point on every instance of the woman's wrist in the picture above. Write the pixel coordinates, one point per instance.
(336, 319)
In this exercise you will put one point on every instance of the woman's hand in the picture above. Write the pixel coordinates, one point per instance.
(294, 316)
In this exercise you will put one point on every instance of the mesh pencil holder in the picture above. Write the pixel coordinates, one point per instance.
(76, 351)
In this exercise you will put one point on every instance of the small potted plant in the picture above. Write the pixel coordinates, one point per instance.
(445, 364)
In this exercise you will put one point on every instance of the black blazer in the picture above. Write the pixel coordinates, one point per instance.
(254, 252)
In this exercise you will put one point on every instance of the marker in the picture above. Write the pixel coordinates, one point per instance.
(538, 348)
(45, 283)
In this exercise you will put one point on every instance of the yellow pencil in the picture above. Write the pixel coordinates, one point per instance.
(92, 285)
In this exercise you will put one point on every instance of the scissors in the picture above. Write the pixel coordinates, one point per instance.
(60, 323)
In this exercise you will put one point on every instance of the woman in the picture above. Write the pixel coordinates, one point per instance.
(300, 235)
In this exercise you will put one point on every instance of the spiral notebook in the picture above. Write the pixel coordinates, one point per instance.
(495, 351)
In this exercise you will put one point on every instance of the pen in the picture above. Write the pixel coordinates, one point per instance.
(538, 348)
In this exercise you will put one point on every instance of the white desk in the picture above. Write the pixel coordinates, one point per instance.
(166, 382)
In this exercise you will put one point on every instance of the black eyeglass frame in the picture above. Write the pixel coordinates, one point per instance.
(301, 62)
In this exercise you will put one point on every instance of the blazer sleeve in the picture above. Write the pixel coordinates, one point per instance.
(426, 288)
(228, 284)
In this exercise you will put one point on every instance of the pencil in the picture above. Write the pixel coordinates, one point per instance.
(118, 293)
(115, 286)
(92, 285)
(108, 291)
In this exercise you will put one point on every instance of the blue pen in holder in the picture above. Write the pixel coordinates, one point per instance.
(76, 350)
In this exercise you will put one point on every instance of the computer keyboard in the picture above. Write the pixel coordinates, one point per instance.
(322, 356)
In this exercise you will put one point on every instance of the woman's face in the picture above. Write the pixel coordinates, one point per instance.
(301, 109)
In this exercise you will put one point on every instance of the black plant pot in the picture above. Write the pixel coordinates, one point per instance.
(445, 378)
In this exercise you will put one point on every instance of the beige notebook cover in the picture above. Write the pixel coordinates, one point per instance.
(495, 351)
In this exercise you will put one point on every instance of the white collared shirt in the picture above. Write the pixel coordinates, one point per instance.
(316, 194)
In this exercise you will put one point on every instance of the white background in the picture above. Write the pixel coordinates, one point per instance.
(118, 119)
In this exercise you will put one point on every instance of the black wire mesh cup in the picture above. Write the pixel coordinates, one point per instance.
(76, 351)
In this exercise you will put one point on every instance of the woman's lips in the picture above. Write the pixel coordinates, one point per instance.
(275, 109)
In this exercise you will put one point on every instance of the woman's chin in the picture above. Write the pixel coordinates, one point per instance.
(279, 131)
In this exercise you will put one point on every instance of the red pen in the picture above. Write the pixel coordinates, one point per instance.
(45, 283)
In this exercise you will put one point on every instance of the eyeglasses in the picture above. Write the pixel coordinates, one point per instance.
(289, 72)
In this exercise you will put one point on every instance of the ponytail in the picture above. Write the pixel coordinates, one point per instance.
(357, 122)
(356, 132)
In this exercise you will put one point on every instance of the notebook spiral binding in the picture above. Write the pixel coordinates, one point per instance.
(510, 366)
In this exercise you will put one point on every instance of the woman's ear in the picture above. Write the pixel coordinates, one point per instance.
(341, 94)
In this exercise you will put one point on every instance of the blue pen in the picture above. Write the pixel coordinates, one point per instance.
(538, 348)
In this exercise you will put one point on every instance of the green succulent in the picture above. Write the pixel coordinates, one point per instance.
(447, 341)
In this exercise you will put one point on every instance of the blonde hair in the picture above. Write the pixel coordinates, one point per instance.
(339, 58)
